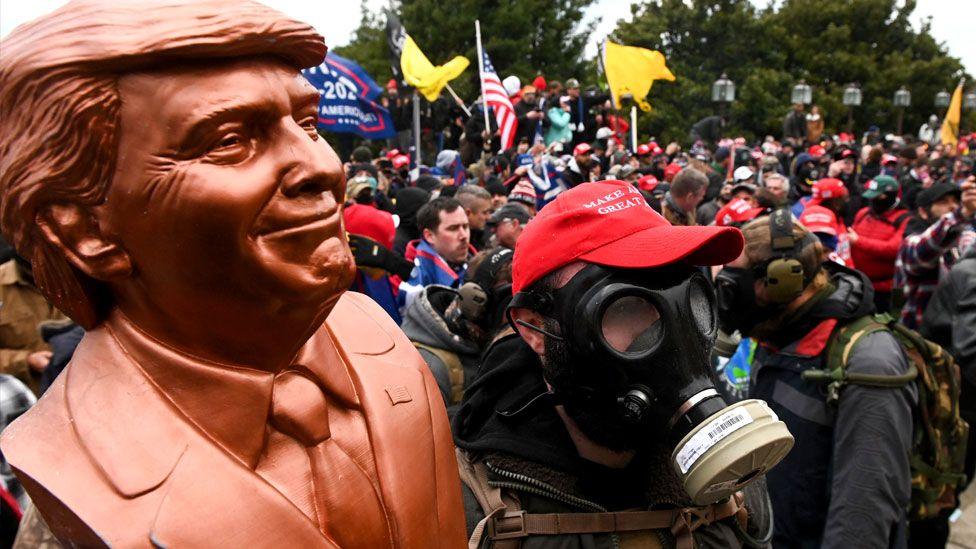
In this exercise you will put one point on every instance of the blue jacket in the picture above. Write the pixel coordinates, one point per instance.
(380, 290)
(429, 268)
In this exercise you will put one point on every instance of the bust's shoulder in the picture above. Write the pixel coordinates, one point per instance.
(360, 326)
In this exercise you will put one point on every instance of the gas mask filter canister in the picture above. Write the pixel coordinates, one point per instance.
(639, 342)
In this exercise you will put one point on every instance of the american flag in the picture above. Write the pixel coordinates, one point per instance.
(497, 98)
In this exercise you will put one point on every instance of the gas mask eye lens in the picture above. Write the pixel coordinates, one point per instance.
(631, 325)
(702, 308)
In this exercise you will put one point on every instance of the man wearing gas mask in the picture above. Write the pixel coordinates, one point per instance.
(806, 170)
(597, 423)
(847, 481)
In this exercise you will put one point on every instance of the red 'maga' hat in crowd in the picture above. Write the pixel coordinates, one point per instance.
(610, 224)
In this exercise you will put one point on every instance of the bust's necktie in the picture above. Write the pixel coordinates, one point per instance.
(341, 492)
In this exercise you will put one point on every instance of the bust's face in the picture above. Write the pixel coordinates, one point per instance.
(224, 193)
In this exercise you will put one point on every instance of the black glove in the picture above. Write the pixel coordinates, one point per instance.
(370, 253)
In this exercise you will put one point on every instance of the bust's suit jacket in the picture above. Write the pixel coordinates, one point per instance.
(109, 460)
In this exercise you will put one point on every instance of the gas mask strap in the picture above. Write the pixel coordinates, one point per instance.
(534, 301)
(535, 328)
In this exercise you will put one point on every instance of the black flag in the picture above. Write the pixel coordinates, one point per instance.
(395, 37)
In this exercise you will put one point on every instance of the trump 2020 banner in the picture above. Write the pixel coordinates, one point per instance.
(348, 103)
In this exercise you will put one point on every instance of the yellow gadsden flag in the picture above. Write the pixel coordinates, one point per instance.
(631, 71)
(420, 73)
(950, 126)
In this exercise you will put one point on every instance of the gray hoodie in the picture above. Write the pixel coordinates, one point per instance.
(424, 323)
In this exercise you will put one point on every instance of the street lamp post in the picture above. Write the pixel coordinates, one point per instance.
(723, 93)
(903, 98)
(968, 104)
(852, 98)
(802, 94)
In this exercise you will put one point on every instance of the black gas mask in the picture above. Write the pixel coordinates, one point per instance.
(807, 174)
(882, 203)
(636, 346)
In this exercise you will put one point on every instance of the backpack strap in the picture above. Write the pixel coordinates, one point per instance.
(506, 524)
(839, 352)
(681, 522)
(493, 503)
(452, 362)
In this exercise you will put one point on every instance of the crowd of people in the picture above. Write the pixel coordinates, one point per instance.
(480, 256)
(880, 226)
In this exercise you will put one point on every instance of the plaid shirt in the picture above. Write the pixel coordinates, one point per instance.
(15, 399)
(927, 256)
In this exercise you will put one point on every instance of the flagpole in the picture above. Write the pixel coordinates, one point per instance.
(458, 100)
(481, 80)
(633, 128)
(416, 126)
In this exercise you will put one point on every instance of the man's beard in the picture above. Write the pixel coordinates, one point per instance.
(598, 418)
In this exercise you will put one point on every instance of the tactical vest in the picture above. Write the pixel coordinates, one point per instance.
(801, 482)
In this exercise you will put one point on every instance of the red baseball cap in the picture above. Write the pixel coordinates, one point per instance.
(737, 212)
(816, 150)
(671, 171)
(647, 182)
(610, 224)
(369, 222)
(828, 187)
(643, 150)
(582, 148)
(400, 161)
(818, 219)
(889, 159)
(392, 153)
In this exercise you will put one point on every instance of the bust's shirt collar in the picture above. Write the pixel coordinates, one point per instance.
(228, 403)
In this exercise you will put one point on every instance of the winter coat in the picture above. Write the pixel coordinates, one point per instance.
(508, 422)
(925, 257)
(573, 175)
(950, 318)
(559, 129)
(429, 268)
(846, 482)
(527, 127)
(424, 323)
(674, 214)
(878, 240)
(795, 125)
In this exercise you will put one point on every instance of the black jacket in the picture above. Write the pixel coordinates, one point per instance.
(507, 420)
(950, 317)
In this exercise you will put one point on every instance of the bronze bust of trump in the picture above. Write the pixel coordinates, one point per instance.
(160, 168)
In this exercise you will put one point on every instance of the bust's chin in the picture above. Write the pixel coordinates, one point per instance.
(320, 275)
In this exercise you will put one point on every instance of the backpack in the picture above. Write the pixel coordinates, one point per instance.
(938, 451)
(455, 371)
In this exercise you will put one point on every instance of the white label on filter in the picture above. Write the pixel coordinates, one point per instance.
(710, 434)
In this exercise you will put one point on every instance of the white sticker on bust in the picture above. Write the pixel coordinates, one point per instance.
(709, 435)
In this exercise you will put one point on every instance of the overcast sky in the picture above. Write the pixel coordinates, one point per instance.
(953, 21)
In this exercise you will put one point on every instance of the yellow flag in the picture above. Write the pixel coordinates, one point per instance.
(950, 126)
(631, 71)
(420, 73)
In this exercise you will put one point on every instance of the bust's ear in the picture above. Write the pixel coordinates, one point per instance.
(74, 230)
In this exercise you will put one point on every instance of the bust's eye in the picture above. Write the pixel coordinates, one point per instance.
(230, 147)
(308, 123)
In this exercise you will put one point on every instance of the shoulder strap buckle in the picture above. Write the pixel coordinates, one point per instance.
(509, 525)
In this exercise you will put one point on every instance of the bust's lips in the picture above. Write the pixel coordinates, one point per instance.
(285, 224)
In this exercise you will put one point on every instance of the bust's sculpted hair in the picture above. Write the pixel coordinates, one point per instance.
(59, 104)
